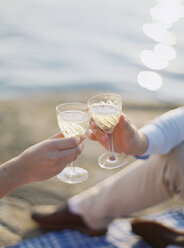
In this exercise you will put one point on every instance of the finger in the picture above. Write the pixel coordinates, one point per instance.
(93, 124)
(82, 137)
(89, 133)
(101, 137)
(66, 157)
(98, 134)
(120, 122)
(61, 164)
(123, 126)
(57, 136)
(66, 143)
(92, 137)
(125, 122)
(69, 153)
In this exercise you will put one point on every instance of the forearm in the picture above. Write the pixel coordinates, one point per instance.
(165, 132)
(10, 177)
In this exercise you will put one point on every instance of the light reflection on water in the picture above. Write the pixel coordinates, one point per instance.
(152, 60)
(150, 80)
(167, 12)
(67, 43)
(159, 33)
(164, 15)
(165, 51)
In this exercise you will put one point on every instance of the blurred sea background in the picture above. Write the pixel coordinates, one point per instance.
(49, 46)
(54, 51)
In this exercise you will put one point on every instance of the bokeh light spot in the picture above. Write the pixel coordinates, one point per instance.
(159, 33)
(166, 12)
(152, 60)
(165, 51)
(150, 80)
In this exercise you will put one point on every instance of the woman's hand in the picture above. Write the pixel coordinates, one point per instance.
(39, 162)
(48, 158)
(127, 138)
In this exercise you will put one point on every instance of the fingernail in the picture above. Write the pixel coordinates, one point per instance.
(93, 123)
(78, 139)
(82, 137)
(60, 135)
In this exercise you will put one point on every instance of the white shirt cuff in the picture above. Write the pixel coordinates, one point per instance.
(155, 139)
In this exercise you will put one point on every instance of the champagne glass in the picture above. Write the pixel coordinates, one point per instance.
(105, 110)
(73, 119)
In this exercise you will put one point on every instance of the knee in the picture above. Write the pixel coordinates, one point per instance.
(173, 173)
(176, 158)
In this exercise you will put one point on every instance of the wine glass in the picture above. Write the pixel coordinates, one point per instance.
(105, 110)
(73, 119)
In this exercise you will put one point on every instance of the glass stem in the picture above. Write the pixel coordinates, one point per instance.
(112, 156)
(72, 166)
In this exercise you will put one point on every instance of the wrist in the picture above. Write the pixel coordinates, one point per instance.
(16, 172)
(9, 177)
(143, 144)
(22, 175)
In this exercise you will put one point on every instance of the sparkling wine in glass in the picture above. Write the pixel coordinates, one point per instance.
(73, 119)
(105, 110)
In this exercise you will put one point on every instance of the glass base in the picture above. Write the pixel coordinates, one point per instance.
(118, 161)
(71, 176)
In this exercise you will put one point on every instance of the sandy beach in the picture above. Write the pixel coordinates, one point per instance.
(28, 120)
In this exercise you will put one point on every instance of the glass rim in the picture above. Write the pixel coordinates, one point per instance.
(70, 103)
(103, 94)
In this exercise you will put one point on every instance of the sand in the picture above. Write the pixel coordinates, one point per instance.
(27, 120)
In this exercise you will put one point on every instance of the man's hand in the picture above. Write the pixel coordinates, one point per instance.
(127, 138)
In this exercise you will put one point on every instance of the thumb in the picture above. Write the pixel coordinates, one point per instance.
(57, 136)
(101, 137)
(121, 122)
(92, 137)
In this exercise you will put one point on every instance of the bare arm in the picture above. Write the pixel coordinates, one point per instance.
(39, 162)
(9, 180)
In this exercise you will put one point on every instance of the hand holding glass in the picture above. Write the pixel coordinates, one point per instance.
(73, 119)
(106, 109)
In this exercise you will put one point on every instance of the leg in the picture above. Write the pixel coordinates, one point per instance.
(143, 184)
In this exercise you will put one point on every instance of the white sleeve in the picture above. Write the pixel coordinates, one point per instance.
(165, 132)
